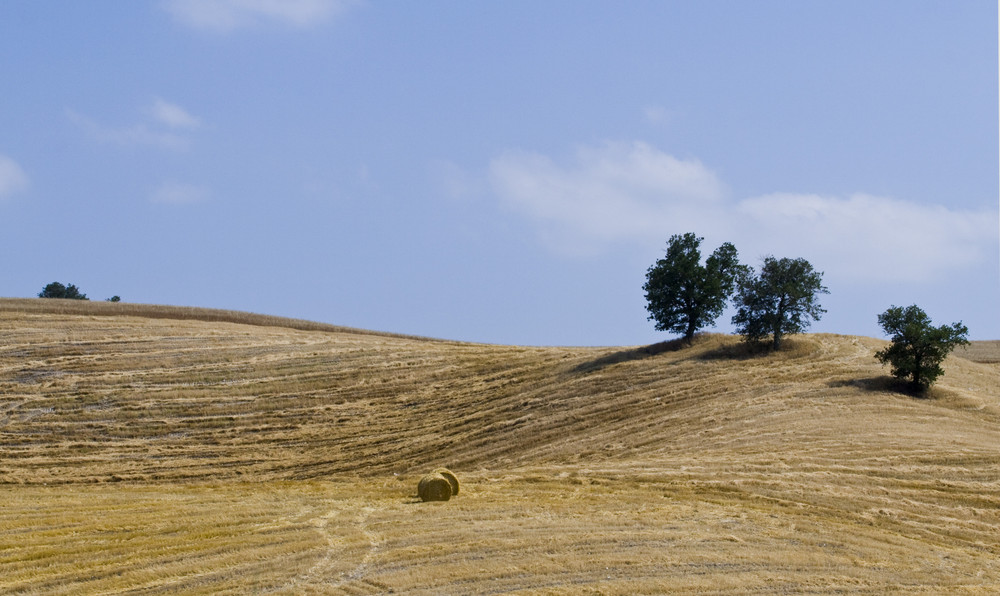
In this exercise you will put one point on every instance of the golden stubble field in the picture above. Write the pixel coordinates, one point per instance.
(168, 450)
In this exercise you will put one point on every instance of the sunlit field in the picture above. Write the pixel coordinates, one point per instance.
(158, 449)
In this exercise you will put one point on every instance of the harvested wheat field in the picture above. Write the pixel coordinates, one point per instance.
(154, 450)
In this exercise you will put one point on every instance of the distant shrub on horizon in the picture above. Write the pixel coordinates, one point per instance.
(58, 290)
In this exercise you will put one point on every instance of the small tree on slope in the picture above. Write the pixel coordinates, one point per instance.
(683, 295)
(918, 348)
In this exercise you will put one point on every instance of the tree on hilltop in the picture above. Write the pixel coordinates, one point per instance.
(57, 290)
(682, 294)
(781, 301)
(918, 348)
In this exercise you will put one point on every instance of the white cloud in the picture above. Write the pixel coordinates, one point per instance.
(173, 115)
(635, 193)
(179, 194)
(619, 191)
(228, 15)
(869, 238)
(12, 177)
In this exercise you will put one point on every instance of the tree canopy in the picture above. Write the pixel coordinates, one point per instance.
(781, 301)
(58, 290)
(682, 294)
(918, 348)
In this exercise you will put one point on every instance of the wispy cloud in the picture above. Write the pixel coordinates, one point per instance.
(228, 15)
(615, 192)
(656, 115)
(456, 183)
(12, 177)
(137, 134)
(162, 129)
(619, 193)
(179, 194)
(172, 115)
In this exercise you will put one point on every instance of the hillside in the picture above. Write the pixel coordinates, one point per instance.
(165, 449)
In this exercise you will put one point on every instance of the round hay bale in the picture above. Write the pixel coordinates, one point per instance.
(451, 478)
(434, 487)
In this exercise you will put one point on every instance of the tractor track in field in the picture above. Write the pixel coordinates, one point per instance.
(176, 453)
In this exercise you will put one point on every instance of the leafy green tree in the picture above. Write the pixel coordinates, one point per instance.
(57, 290)
(682, 294)
(918, 348)
(781, 301)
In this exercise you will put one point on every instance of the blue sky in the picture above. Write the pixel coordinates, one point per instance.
(501, 172)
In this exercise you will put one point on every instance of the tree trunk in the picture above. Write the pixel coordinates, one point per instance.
(689, 333)
(776, 330)
(918, 373)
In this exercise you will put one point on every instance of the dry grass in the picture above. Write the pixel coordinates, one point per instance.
(197, 453)
(987, 352)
